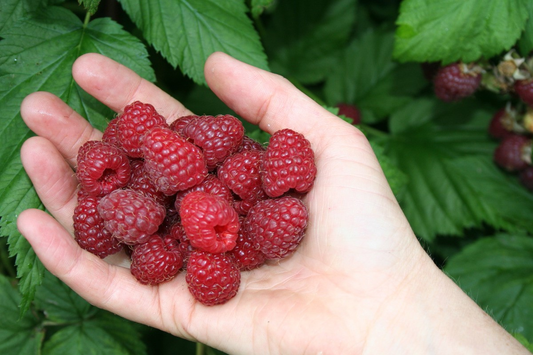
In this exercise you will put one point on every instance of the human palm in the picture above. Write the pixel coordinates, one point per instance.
(357, 255)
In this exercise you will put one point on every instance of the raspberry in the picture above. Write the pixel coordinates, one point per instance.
(131, 216)
(110, 135)
(178, 233)
(250, 144)
(172, 163)
(212, 278)
(102, 168)
(140, 181)
(210, 222)
(133, 123)
(455, 82)
(350, 111)
(512, 153)
(180, 124)
(498, 127)
(156, 261)
(524, 90)
(288, 163)
(212, 185)
(277, 226)
(218, 137)
(244, 255)
(89, 229)
(526, 178)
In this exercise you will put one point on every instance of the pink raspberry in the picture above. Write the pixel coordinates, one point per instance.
(524, 90)
(210, 222)
(245, 255)
(156, 261)
(172, 163)
(218, 137)
(89, 230)
(131, 216)
(133, 123)
(456, 81)
(212, 278)
(102, 168)
(288, 163)
(277, 226)
(513, 153)
(212, 185)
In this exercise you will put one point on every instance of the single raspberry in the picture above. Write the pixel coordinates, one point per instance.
(499, 124)
(102, 168)
(524, 90)
(89, 230)
(277, 226)
(212, 278)
(210, 222)
(514, 153)
(456, 81)
(110, 135)
(131, 216)
(212, 185)
(288, 163)
(156, 261)
(140, 181)
(244, 255)
(250, 144)
(172, 163)
(350, 111)
(526, 178)
(217, 136)
(179, 124)
(178, 233)
(133, 123)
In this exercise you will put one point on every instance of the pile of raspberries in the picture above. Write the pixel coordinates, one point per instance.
(197, 196)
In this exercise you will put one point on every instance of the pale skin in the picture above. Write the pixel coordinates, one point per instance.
(360, 283)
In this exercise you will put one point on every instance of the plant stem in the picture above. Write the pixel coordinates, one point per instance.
(200, 349)
(87, 18)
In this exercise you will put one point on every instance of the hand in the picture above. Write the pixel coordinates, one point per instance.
(359, 283)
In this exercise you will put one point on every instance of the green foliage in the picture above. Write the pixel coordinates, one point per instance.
(90, 5)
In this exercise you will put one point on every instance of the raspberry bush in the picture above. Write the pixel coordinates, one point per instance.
(443, 91)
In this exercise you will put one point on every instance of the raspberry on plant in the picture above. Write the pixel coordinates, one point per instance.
(136, 119)
(245, 256)
(456, 81)
(172, 163)
(209, 221)
(131, 216)
(288, 163)
(102, 168)
(514, 153)
(501, 124)
(212, 278)
(212, 185)
(350, 111)
(156, 261)
(526, 178)
(89, 230)
(524, 90)
(277, 226)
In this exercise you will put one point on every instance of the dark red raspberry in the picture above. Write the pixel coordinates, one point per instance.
(524, 90)
(288, 163)
(177, 232)
(212, 185)
(156, 261)
(212, 278)
(210, 222)
(110, 135)
(350, 111)
(179, 124)
(172, 163)
(140, 181)
(250, 144)
(526, 178)
(133, 123)
(244, 255)
(102, 168)
(499, 124)
(456, 81)
(512, 153)
(241, 173)
(131, 216)
(218, 136)
(277, 226)
(89, 230)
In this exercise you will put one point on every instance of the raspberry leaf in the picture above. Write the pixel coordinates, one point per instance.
(90, 5)
(449, 31)
(186, 32)
(496, 273)
(525, 44)
(14, 10)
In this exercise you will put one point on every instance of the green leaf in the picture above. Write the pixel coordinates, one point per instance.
(14, 10)
(522, 339)
(90, 5)
(37, 55)
(525, 44)
(497, 273)
(186, 32)
(395, 177)
(305, 37)
(258, 6)
(367, 77)
(448, 31)
(18, 335)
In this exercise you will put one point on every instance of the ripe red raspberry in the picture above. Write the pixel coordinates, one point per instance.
(133, 123)
(526, 178)
(514, 153)
(102, 168)
(244, 255)
(350, 111)
(250, 144)
(218, 136)
(456, 81)
(179, 124)
(178, 233)
(131, 216)
(89, 229)
(110, 135)
(172, 163)
(288, 163)
(140, 181)
(499, 124)
(156, 261)
(212, 278)
(277, 226)
(211, 185)
(210, 222)
(524, 90)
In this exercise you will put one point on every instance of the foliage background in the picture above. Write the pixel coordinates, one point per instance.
(475, 220)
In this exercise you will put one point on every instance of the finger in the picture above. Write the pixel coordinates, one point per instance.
(49, 117)
(116, 86)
